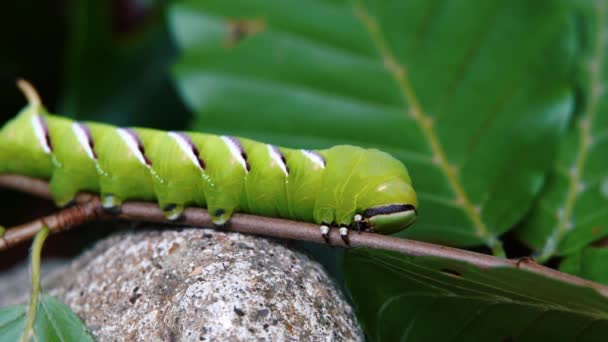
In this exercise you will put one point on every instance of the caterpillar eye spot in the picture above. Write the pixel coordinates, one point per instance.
(219, 212)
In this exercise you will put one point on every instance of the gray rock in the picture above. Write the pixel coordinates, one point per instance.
(203, 285)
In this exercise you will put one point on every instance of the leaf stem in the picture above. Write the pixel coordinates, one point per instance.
(28, 330)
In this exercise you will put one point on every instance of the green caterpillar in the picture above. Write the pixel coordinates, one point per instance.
(343, 186)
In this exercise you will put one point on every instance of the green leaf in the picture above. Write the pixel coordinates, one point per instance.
(423, 298)
(121, 77)
(12, 320)
(589, 263)
(573, 208)
(463, 92)
(54, 322)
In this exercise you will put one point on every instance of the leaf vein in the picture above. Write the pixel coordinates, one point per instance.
(398, 72)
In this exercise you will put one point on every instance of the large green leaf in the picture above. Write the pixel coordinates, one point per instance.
(409, 298)
(573, 209)
(589, 262)
(471, 95)
(121, 77)
(54, 322)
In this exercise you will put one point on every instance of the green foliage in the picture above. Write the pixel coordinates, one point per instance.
(54, 322)
(12, 321)
(573, 208)
(44, 319)
(409, 298)
(590, 263)
(444, 86)
(478, 98)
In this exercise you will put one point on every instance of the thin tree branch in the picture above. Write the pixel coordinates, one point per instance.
(62, 220)
(25, 184)
(88, 208)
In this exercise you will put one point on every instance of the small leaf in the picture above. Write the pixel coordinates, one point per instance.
(589, 263)
(573, 209)
(463, 92)
(54, 322)
(12, 320)
(425, 298)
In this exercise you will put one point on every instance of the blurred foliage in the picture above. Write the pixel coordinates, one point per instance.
(589, 262)
(409, 298)
(573, 208)
(116, 65)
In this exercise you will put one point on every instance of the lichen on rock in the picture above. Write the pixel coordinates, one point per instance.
(203, 285)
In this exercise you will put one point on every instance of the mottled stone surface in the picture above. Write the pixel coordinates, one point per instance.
(203, 285)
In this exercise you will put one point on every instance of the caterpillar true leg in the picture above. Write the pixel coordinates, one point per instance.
(344, 235)
(358, 222)
(325, 232)
(110, 203)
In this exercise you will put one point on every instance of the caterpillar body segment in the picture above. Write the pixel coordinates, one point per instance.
(343, 186)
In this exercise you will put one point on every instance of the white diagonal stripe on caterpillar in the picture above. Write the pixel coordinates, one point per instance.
(235, 150)
(40, 132)
(83, 139)
(278, 158)
(185, 147)
(132, 144)
(314, 157)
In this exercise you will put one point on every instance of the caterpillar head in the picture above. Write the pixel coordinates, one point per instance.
(394, 209)
(390, 203)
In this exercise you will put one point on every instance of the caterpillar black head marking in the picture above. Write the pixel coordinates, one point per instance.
(388, 217)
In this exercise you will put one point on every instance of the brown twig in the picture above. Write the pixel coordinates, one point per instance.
(88, 208)
(62, 220)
